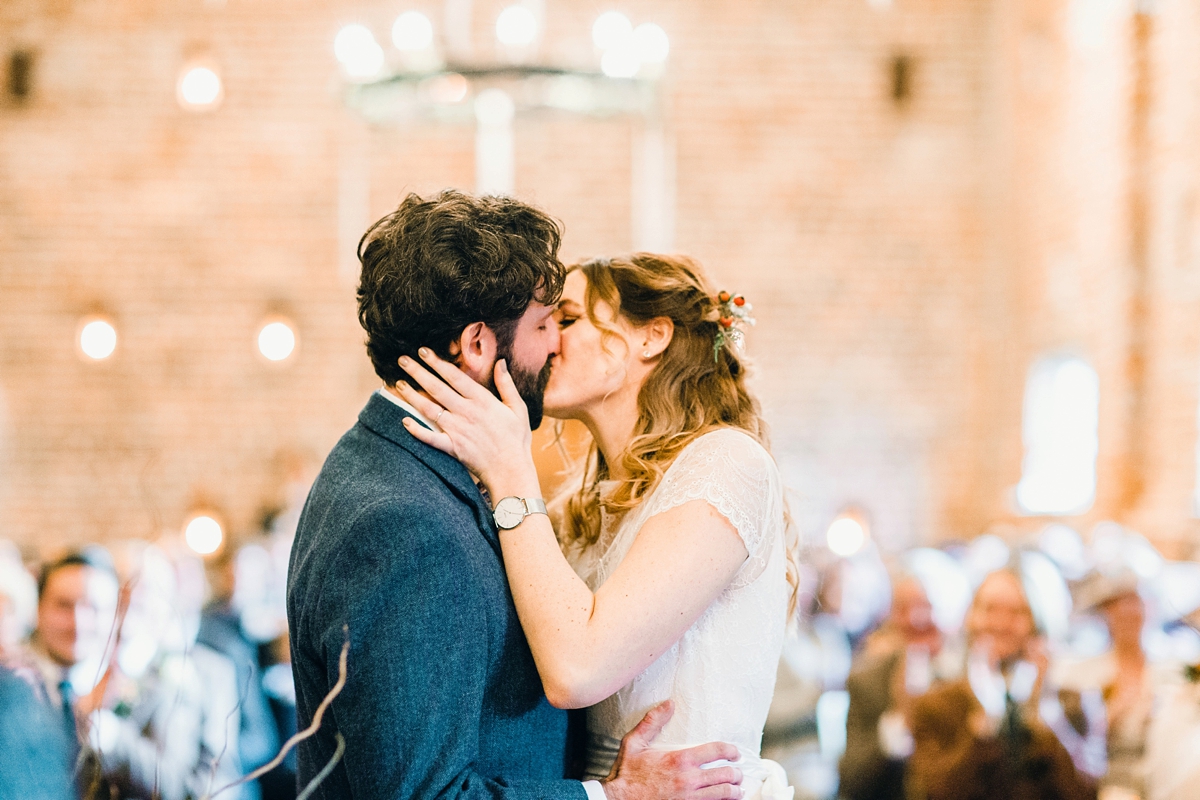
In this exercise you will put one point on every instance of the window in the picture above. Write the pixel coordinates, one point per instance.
(1060, 432)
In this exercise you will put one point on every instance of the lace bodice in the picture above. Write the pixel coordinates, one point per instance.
(721, 673)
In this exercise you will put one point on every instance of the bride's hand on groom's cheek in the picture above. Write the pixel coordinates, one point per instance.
(490, 436)
(643, 773)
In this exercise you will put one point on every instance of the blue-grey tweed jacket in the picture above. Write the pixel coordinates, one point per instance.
(442, 698)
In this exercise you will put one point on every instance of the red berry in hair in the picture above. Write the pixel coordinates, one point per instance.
(739, 301)
(723, 297)
(726, 322)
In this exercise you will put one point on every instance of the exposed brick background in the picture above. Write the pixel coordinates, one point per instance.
(907, 260)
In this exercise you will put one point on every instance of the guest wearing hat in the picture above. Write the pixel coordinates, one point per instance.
(1124, 676)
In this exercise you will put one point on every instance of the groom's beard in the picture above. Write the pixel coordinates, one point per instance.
(531, 386)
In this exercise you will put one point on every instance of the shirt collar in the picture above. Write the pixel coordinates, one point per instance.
(385, 394)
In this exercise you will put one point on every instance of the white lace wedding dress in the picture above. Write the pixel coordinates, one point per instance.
(721, 673)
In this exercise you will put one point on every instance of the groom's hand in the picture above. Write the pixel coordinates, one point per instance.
(642, 773)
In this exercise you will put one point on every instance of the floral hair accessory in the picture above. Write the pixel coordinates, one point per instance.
(734, 316)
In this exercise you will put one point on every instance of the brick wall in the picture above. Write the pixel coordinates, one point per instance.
(908, 258)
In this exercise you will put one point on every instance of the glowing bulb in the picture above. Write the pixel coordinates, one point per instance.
(200, 87)
(620, 62)
(651, 43)
(412, 31)
(358, 52)
(611, 29)
(98, 339)
(846, 536)
(276, 341)
(516, 26)
(203, 534)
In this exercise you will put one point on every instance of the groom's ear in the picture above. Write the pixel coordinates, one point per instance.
(477, 352)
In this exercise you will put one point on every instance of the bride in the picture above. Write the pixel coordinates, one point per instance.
(677, 578)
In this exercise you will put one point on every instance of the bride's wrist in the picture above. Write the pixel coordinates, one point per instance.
(519, 482)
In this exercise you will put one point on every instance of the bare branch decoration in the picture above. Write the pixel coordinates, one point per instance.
(306, 733)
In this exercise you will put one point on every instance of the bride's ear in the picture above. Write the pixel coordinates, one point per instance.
(656, 336)
(477, 352)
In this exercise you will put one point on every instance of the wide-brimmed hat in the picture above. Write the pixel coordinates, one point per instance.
(1101, 588)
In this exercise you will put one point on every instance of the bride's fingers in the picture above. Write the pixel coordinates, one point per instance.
(431, 383)
(420, 402)
(508, 389)
(452, 375)
(432, 438)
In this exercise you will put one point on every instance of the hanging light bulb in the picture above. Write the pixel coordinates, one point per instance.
(203, 534)
(846, 535)
(276, 340)
(651, 43)
(611, 29)
(516, 27)
(412, 31)
(97, 338)
(358, 52)
(199, 88)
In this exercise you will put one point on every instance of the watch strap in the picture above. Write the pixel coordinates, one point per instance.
(535, 505)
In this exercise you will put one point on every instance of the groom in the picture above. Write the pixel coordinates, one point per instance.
(397, 549)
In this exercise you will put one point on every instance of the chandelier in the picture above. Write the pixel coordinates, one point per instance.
(426, 74)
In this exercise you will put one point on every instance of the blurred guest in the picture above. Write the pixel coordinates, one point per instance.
(280, 689)
(896, 664)
(1172, 761)
(36, 762)
(221, 629)
(989, 736)
(76, 618)
(166, 728)
(1123, 675)
(18, 603)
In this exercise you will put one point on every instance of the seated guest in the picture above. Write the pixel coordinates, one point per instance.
(76, 616)
(18, 604)
(221, 629)
(35, 763)
(167, 726)
(896, 664)
(991, 736)
(1172, 761)
(1127, 681)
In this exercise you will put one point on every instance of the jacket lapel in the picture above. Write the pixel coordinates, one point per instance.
(385, 418)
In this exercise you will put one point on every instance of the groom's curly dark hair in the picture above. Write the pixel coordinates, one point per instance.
(434, 266)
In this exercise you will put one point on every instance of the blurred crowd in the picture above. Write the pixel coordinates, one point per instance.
(140, 670)
(1006, 667)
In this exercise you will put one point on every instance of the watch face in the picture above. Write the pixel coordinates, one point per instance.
(509, 513)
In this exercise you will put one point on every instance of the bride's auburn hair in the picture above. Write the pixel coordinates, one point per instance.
(688, 393)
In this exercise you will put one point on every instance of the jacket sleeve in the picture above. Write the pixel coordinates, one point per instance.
(863, 765)
(418, 662)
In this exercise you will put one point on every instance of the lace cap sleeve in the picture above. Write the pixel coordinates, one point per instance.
(735, 475)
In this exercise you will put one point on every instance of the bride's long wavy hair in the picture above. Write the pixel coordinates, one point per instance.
(687, 394)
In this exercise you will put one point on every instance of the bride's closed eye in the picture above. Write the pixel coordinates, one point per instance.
(566, 321)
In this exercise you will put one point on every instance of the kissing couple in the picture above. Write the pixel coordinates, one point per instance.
(655, 598)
